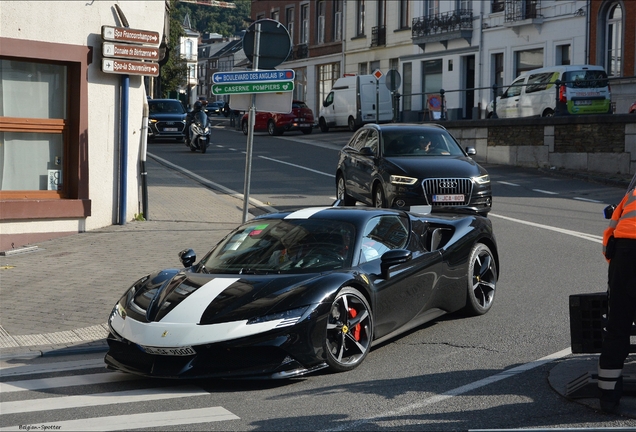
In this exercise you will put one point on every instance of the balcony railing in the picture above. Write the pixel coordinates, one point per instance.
(443, 27)
(300, 52)
(519, 11)
(378, 36)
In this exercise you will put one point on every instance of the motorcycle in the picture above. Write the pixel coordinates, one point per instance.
(199, 137)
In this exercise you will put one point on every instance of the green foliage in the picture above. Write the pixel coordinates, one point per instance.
(204, 19)
(210, 19)
(139, 217)
(175, 71)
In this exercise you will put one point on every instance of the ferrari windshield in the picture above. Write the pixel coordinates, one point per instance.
(283, 246)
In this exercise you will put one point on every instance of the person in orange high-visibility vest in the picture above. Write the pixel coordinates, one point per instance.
(619, 248)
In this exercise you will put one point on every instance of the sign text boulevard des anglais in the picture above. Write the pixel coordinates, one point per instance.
(253, 76)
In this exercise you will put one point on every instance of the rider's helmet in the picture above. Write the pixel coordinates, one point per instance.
(198, 106)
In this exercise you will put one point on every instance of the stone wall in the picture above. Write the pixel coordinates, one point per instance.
(595, 143)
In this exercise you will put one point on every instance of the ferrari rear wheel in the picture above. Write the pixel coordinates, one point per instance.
(482, 280)
(349, 330)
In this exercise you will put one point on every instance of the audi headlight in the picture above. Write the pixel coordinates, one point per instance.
(402, 180)
(482, 179)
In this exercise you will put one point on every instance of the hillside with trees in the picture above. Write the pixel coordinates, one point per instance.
(213, 19)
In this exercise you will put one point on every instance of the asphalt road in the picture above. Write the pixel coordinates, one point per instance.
(455, 373)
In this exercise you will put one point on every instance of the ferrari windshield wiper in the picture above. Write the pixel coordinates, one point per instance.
(251, 271)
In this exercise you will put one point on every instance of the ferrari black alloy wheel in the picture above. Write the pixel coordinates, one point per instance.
(341, 192)
(349, 330)
(482, 280)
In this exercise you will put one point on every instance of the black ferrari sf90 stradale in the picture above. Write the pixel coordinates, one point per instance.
(290, 293)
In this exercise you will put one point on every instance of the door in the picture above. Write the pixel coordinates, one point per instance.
(469, 82)
(508, 104)
(352, 163)
(404, 294)
(367, 165)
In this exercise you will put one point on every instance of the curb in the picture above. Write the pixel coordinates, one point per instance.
(90, 348)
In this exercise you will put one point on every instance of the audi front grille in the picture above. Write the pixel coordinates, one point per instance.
(448, 187)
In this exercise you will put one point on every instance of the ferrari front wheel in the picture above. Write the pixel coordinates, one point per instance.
(349, 330)
(482, 280)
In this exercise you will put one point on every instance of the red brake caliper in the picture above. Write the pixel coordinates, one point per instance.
(357, 329)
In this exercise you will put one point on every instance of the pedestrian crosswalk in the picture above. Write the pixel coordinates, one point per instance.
(41, 395)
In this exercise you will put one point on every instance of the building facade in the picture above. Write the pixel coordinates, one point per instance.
(462, 46)
(317, 37)
(60, 138)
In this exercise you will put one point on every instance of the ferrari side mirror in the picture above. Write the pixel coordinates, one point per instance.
(188, 257)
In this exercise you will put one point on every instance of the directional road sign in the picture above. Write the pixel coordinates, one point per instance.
(125, 34)
(265, 87)
(253, 76)
(130, 51)
(129, 67)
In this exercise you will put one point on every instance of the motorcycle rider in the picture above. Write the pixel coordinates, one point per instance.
(619, 248)
(198, 106)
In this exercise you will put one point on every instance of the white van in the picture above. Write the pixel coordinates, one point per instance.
(585, 91)
(352, 103)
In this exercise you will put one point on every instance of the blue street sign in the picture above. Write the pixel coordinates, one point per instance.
(253, 76)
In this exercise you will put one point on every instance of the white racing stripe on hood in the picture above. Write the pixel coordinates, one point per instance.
(174, 335)
(305, 213)
(191, 309)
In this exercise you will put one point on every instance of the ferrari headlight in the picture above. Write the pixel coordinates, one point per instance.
(288, 317)
(119, 310)
(402, 180)
(482, 179)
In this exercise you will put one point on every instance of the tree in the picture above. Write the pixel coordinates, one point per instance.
(210, 19)
(175, 71)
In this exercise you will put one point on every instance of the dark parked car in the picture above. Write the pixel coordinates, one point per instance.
(400, 166)
(166, 119)
(215, 107)
(290, 293)
(300, 118)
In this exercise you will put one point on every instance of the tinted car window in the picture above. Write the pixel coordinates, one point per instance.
(585, 79)
(409, 143)
(358, 140)
(538, 82)
(283, 246)
(372, 141)
(383, 234)
(165, 107)
(514, 89)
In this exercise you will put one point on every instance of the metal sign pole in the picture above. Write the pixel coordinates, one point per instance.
(377, 100)
(250, 130)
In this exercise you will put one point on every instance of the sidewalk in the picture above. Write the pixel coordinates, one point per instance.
(60, 294)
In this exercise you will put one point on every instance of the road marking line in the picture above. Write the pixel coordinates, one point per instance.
(545, 191)
(587, 200)
(297, 166)
(88, 400)
(66, 381)
(459, 390)
(590, 237)
(508, 183)
(143, 420)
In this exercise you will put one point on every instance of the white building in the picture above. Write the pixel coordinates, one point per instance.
(60, 145)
